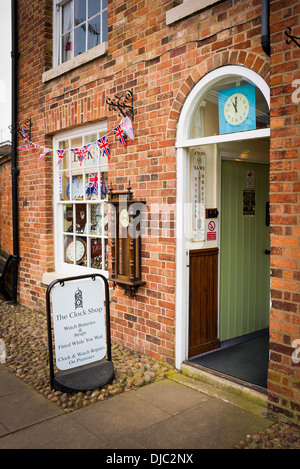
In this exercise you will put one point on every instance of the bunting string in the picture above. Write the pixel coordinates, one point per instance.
(123, 130)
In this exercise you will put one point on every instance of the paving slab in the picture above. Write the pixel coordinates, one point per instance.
(23, 406)
(119, 417)
(212, 425)
(56, 433)
(9, 383)
(171, 398)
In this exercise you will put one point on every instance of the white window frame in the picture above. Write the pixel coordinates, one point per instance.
(183, 143)
(57, 48)
(60, 265)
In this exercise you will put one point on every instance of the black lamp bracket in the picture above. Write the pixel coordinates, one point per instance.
(290, 38)
(123, 102)
(25, 126)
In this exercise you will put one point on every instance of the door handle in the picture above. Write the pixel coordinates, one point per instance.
(267, 251)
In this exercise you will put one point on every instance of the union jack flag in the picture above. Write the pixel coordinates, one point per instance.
(86, 148)
(24, 133)
(44, 152)
(126, 125)
(103, 145)
(119, 132)
(80, 153)
(60, 154)
(93, 182)
(26, 147)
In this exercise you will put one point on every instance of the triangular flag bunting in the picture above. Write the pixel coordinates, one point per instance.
(103, 145)
(46, 150)
(25, 147)
(127, 127)
(120, 134)
(79, 153)
(121, 131)
(60, 154)
(24, 133)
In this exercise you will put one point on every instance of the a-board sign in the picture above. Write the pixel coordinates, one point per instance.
(81, 332)
(79, 323)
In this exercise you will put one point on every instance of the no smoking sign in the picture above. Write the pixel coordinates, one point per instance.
(211, 230)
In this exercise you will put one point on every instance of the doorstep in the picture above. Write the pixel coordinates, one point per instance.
(252, 398)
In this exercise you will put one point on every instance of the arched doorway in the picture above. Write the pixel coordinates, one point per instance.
(223, 129)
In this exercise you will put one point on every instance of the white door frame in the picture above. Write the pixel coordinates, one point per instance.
(183, 143)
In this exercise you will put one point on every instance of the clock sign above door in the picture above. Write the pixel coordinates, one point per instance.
(237, 109)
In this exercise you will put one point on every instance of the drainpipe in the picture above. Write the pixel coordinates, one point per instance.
(14, 170)
(265, 26)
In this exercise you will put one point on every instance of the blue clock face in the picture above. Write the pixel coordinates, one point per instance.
(237, 109)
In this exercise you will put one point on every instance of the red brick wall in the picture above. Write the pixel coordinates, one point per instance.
(6, 208)
(162, 64)
(35, 178)
(284, 373)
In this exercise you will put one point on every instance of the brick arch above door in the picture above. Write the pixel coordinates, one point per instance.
(256, 62)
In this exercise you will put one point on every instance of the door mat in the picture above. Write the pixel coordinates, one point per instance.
(247, 361)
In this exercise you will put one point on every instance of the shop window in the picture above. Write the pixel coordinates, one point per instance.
(79, 26)
(80, 194)
(232, 104)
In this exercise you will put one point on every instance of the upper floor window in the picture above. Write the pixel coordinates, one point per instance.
(80, 26)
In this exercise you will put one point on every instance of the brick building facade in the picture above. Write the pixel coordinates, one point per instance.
(5, 195)
(169, 55)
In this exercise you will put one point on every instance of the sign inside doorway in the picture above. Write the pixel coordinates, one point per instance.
(211, 230)
(249, 202)
(198, 187)
(250, 179)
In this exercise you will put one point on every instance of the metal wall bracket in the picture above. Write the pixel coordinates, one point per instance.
(123, 102)
(26, 126)
(290, 38)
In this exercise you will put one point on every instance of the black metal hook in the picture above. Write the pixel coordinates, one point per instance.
(24, 125)
(122, 102)
(290, 38)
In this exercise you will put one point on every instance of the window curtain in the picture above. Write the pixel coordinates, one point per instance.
(67, 23)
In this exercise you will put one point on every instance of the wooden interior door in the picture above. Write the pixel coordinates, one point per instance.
(203, 301)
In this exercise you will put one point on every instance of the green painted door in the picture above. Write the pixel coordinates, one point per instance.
(244, 299)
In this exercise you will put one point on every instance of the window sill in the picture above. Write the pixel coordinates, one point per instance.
(70, 271)
(186, 9)
(81, 59)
